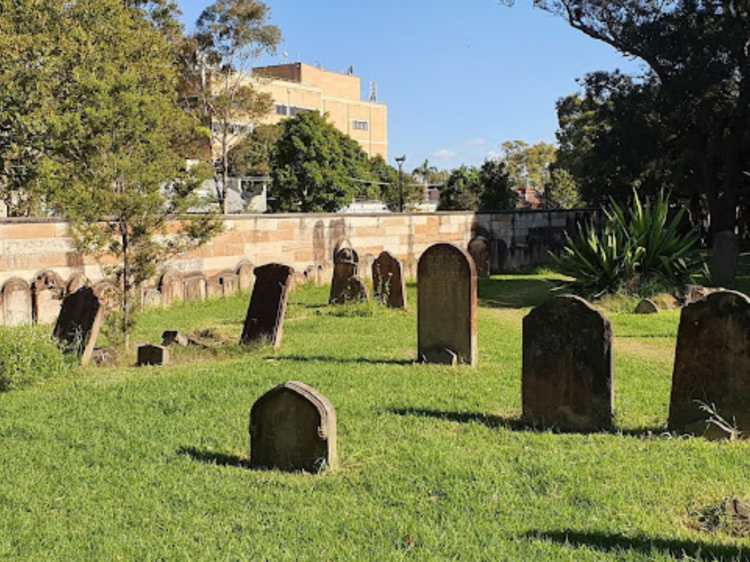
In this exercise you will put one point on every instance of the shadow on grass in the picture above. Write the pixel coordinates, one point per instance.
(516, 423)
(328, 359)
(212, 457)
(521, 292)
(677, 549)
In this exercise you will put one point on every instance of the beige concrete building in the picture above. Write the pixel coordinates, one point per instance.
(296, 87)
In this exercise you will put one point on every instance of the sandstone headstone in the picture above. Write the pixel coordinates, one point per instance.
(345, 266)
(325, 273)
(265, 315)
(195, 287)
(15, 298)
(80, 320)
(293, 428)
(152, 297)
(230, 283)
(712, 364)
(171, 287)
(646, 306)
(388, 282)
(447, 305)
(153, 355)
(108, 295)
(214, 288)
(47, 290)
(724, 254)
(245, 276)
(173, 337)
(568, 370)
(479, 250)
(76, 281)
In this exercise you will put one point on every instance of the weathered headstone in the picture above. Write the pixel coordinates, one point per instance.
(568, 370)
(712, 364)
(214, 288)
(171, 287)
(293, 428)
(646, 306)
(265, 315)
(153, 355)
(151, 297)
(724, 254)
(245, 276)
(47, 290)
(345, 266)
(80, 320)
(447, 306)
(325, 273)
(195, 287)
(15, 298)
(230, 283)
(388, 281)
(479, 250)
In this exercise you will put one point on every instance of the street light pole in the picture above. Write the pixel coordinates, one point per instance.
(400, 160)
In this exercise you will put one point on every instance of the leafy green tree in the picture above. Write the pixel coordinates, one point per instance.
(230, 36)
(253, 155)
(462, 190)
(528, 165)
(315, 166)
(388, 180)
(561, 191)
(496, 190)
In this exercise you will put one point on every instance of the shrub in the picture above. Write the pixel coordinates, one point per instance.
(640, 251)
(28, 354)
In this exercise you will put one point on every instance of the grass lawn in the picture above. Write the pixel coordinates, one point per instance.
(150, 463)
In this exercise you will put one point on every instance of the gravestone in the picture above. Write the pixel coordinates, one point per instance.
(724, 254)
(214, 288)
(447, 306)
(568, 370)
(15, 298)
(195, 287)
(325, 273)
(712, 364)
(265, 315)
(153, 355)
(245, 276)
(479, 250)
(170, 337)
(80, 320)
(293, 428)
(388, 282)
(76, 281)
(230, 283)
(151, 297)
(171, 287)
(345, 266)
(646, 306)
(47, 290)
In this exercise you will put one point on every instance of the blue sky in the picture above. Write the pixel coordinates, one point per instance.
(459, 77)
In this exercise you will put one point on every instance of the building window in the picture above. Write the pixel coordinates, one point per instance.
(361, 125)
(281, 110)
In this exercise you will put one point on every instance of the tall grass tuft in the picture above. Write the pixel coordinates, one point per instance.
(29, 354)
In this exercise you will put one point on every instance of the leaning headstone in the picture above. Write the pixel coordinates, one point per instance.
(712, 365)
(724, 254)
(153, 355)
(15, 299)
(388, 282)
(47, 290)
(195, 287)
(76, 281)
(171, 287)
(447, 306)
(479, 250)
(265, 315)
(568, 370)
(345, 266)
(646, 306)
(293, 428)
(245, 276)
(80, 320)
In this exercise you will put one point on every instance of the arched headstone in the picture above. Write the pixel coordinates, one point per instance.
(345, 267)
(293, 428)
(80, 320)
(712, 364)
(447, 306)
(47, 290)
(388, 281)
(479, 250)
(568, 370)
(230, 283)
(171, 287)
(265, 315)
(245, 276)
(15, 298)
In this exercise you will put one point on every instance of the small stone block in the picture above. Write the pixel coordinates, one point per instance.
(153, 355)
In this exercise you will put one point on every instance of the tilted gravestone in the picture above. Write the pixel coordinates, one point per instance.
(712, 364)
(345, 267)
(388, 281)
(293, 428)
(47, 290)
(153, 355)
(568, 370)
(76, 281)
(447, 306)
(479, 250)
(245, 276)
(80, 320)
(195, 287)
(15, 299)
(265, 315)
(171, 287)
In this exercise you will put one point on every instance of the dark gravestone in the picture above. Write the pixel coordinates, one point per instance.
(265, 315)
(712, 364)
(47, 290)
(447, 306)
(388, 281)
(153, 355)
(568, 370)
(293, 428)
(15, 298)
(80, 320)
(245, 277)
(479, 250)
(345, 266)
(724, 254)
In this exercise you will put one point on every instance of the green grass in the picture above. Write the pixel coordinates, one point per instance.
(150, 463)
